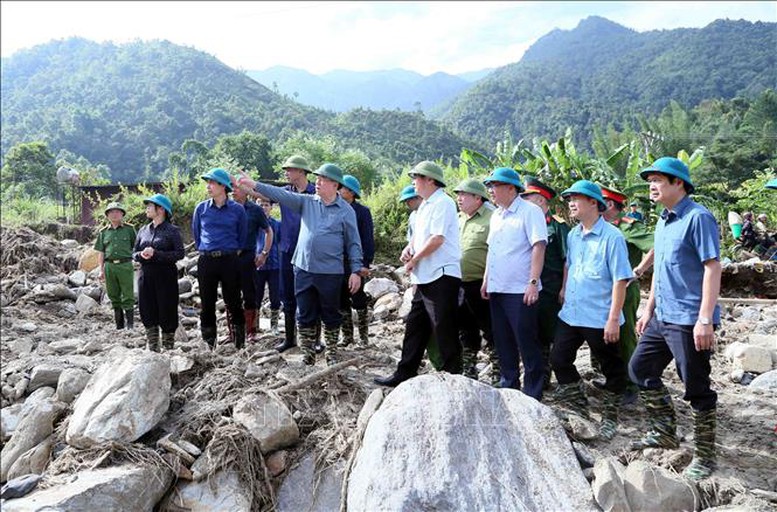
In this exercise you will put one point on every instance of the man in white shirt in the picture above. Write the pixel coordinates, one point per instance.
(432, 259)
(516, 253)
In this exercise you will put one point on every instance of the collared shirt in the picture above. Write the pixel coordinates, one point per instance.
(366, 232)
(552, 276)
(513, 232)
(596, 260)
(639, 238)
(636, 215)
(685, 238)
(436, 216)
(328, 232)
(273, 261)
(116, 243)
(166, 241)
(256, 223)
(410, 225)
(473, 232)
(290, 220)
(221, 228)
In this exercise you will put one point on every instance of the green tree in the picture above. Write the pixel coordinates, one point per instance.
(250, 150)
(29, 167)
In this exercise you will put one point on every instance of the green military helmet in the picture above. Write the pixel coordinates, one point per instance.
(430, 170)
(330, 171)
(296, 162)
(115, 206)
(472, 186)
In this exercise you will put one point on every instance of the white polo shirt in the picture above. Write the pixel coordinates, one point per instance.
(512, 233)
(437, 216)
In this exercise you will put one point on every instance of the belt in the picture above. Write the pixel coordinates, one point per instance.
(120, 260)
(218, 254)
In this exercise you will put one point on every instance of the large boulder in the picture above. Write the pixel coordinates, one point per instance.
(307, 489)
(113, 489)
(35, 425)
(655, 488)
(125, 398)
(268, 420)
(89, 260)
(45, 375)
(446, 442)
(33, 461)
(380, 286)
(749, 358)
(608, 486)
(71, 382)
(220, 492)
(766, 381)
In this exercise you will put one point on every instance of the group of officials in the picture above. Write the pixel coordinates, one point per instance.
(501, 269)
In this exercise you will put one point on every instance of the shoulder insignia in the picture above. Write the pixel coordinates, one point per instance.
(559, 219)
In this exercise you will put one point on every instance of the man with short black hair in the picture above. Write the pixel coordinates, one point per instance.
(432, 259)
(680, 317)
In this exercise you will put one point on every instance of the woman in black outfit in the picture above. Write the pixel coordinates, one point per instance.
(157, 247)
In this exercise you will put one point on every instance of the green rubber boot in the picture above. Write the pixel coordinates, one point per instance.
(704, 457)
(609, 426)
(661, 420)
(573, 398)
(168, 340)
(469, 358)
(152, 338)
(307, 340)
(363, 317)
(330, 340)
(346, 328)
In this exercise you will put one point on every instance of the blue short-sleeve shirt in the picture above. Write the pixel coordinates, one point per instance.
(686, 237)
(596, 260)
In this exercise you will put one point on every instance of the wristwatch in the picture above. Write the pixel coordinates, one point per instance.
(264, 253)
(533, 281)
(704, 320)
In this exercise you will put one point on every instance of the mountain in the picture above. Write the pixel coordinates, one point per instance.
(342, 90)
(601, 72)
(130, 106)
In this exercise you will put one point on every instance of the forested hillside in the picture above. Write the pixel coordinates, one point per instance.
(131, 106)
(602, 73)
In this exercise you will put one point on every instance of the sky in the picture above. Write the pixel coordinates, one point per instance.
(425, 37)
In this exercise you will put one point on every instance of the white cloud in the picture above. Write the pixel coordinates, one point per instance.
(321, 36)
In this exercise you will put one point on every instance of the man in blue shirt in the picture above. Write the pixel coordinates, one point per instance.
(680, 316)
(594, 289)
(327, 234)
(351, 191)
(252, 257)
(219, 228)
(268, 272)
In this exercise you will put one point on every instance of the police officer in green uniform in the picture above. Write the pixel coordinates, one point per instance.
(639, 242)
(115, 244)
(552, 276)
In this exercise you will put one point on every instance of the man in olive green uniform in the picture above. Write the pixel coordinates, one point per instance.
(552, 276)
(474, 314)
(639, 242)
(115, 244)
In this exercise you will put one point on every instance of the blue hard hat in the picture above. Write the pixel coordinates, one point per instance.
(505, 175)
(407, 193)
(163, 201)
(670, 166)
(589, 189)
(220, 176)
(350, 182)
(772, 184)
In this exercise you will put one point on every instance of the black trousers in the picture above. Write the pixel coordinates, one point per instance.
(158, 296)
(569, 339)
(288, 292)
(356, 301)
(271, 278)
(474, 317)
(247, 284)
(211, 272)
(433, 312)
(660, 343)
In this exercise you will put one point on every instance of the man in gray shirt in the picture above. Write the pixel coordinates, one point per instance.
(327, 232)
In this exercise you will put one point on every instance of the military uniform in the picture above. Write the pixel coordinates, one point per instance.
(116, 245)
(639, 240)
(552, 278)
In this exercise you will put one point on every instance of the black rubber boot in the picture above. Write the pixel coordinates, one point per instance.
(118, 317)
(129, 315)
(209, 336)
(291, 339)
(238, 332)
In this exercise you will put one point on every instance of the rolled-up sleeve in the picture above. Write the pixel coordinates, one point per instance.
(288, 199)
